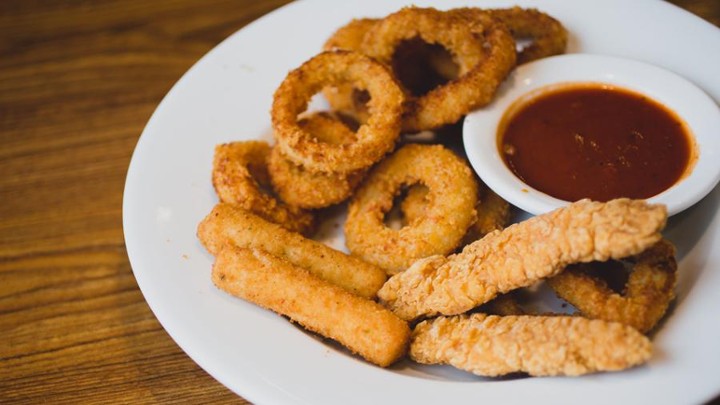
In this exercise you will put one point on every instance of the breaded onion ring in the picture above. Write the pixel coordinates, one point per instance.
(374, 138)
(483, 49)
(493, 213)
(344, 97)
(647, 294)
(419, 67)
(451, 207)
(240, 177)
(308, 189)
(349, 37)
(548, 36)
(414, 206)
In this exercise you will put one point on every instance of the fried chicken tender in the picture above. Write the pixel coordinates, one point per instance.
(522, 254)
(361, 325)
(231, 225)
(491, 345)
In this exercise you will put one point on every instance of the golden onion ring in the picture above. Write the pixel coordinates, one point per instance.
(308, 189)
(374, 138)
(450, 210)
(647, 294)
(483, 49)
(240, 177)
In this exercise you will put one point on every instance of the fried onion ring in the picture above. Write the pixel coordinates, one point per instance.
(483, 49)
(450, 211)
(374, 138)
(493, 213)
(419, 67)
(349, 37)
(548, 36)
(307, 189)
(414, 206)
(344, 97)
(240, 177)
(647, 294)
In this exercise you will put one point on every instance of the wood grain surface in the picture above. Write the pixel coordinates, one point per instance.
(78, 82)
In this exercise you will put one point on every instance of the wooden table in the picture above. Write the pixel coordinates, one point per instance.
(78, 81)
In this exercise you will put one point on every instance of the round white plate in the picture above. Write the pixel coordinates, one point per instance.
(699, 112)
(226, 96)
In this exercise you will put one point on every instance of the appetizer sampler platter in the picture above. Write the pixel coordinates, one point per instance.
(227, 96)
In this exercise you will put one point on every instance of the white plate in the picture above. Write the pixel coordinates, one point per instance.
(699, 112)
(226, 96)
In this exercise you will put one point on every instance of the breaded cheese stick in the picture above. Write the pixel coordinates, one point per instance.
(522, 254)
(491, 345)
(229, 224)
(363, 326)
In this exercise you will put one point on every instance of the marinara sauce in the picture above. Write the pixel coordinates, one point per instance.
(595, 141)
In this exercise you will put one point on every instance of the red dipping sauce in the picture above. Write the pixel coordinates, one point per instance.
(595, 141)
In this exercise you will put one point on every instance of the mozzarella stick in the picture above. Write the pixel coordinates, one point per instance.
(491, 345)
(229, 224)
(361, 325)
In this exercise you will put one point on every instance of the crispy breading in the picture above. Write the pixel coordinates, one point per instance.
(493, 213)
(240, 177)
(504, 305)
(491, 345)
(361, 325)
(450, 207)
(522, 254)
(308, 189)
(228, 224)
(646, 296)
(343, 97)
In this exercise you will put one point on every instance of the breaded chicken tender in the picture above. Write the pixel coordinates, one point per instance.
(229, 224)
(522, 254)
(491, 345)
(361, 325)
